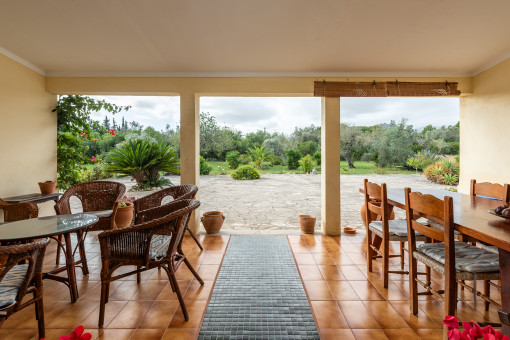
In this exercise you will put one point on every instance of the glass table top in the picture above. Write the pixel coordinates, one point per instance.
(45, 226)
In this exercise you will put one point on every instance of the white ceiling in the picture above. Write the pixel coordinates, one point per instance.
(258, 37)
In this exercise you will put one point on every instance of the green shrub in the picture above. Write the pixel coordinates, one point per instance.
(232, 159)
(276, 160)
(308, 147)
(317, 157)
(381, 171)
(443, 171)
(421, 160)
(306, 164)
(142, 159)
(205, 168)
(245, 172)
(293, 157)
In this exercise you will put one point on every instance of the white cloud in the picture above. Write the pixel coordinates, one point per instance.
(283, 114)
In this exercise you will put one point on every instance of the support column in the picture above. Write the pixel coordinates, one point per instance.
(330, 166)
(190, 148)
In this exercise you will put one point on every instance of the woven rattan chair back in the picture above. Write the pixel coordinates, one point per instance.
(33, 255)
(18, 211)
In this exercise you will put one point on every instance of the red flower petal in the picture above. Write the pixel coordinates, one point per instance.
(451, 322)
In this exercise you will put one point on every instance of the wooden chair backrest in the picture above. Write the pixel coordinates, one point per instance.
(492, 190)
(376, 193)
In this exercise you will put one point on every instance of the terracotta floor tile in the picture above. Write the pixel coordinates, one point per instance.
(331, 272)
(341, 259)
(357, 315)
(54, 333)
(148, 334)
(342, 290)
(208, 271)
(304, 259)
(310, 272)
(401, 334)
(131, 315)
(117, 334)
(365, 290)
(414, 321)
(196, 311)
(16, 334)
(213, 257)
(432, 334)
(336, 334)
(328, 315)
(318, 290)
(180, 334)
(352, 273)
(112, 309)
(73, 315)
(196, 291)
(385, 315)
(160, 314)
(167, 294)
(369, 334)
(323, 258)
(149, 290)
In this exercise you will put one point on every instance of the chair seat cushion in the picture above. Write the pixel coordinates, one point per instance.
(467, 257)
(396, 227)
(101, 213)
(11, 284)
(159, 246)
(490, 249)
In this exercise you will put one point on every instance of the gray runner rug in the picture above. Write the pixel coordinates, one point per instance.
(258, 294)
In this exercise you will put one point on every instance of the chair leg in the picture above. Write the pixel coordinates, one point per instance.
(104, 289)
(386, 261)
(39, 315)
(487, 292)
(83, 255)
(179, 296)
(192, 270)
(57, 260)
(369, 250)
(107, 296)
(138, 276)
(402, 255)
(194, 237)
(413, 285)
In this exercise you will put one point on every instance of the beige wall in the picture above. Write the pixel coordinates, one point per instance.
(27, 131)
(485, 128)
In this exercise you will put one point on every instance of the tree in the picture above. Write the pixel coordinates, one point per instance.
(74, 125)
(395, 146)
(106, 123)
(259, 155)
(349, 138)
(276, 145)
(421, 160)
(308, 148)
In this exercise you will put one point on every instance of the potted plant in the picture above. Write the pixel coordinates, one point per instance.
(124, 214)
(212, 221)
(47, 187)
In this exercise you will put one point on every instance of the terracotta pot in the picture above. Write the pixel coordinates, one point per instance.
(373, 215)
(307, 223)
(48, 187)
(124, 216)
(212, 221)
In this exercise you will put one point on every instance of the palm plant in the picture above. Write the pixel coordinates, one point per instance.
(142, 159)
(260, 155)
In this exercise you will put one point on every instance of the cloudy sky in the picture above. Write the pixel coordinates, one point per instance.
(249, 114)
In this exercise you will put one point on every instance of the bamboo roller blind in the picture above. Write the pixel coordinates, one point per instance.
(385, 89)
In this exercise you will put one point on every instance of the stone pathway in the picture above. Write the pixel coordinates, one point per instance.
(274, 202)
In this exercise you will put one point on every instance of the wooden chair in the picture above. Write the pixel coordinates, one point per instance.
(491, 190)
(18, 280)
(18, 211)
(178, 192)
(388, 230)
(151, 244)
(456, 260)
(100, 198)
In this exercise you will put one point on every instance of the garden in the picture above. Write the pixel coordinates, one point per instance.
(91, 150)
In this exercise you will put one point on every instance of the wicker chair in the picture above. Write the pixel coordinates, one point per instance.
(18, 211)
(178, 192)
(100, 198)
(151, 244)
(17, 280)
(457, 260)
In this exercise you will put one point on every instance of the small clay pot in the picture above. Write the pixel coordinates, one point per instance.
(124, 216)
(212, 221)
(48, 187)
(307, 223)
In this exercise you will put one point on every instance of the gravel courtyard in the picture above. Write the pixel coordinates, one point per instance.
(274, 202)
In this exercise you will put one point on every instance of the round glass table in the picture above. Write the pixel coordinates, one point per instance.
(52, 226)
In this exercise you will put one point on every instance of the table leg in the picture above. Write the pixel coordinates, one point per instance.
(71, 274)
(504, 313)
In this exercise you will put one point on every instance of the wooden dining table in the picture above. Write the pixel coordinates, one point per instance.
(471, 217)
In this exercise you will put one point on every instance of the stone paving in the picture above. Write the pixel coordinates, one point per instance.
(274, 202)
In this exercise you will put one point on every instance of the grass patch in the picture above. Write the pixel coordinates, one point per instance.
(362, 168)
